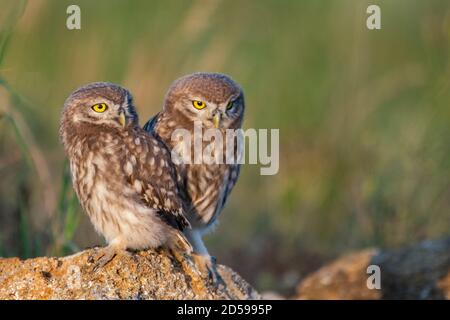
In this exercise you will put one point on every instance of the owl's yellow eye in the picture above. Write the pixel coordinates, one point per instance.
(99, 107)
(198, 104)
(230, 105)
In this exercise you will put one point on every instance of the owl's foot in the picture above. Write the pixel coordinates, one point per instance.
(189, 269)
(181, 251)
(208, 268)
(185, 262)
(103, 256)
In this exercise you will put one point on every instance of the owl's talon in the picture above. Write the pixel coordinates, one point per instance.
(103, 256)
(185, 262)
(102, 260)
(208, 268)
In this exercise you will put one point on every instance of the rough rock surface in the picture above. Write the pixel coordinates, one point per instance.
(151, 274)
(417, 272)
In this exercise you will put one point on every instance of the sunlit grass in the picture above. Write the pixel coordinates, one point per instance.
(65, 221)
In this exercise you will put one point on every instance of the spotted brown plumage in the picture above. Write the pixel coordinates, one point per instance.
(205, 187)
(123, 176)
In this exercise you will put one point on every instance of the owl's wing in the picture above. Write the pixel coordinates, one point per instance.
(156, 181)
(150, 125)
(232, 179)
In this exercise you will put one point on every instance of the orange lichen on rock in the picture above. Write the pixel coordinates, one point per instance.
(151, 274)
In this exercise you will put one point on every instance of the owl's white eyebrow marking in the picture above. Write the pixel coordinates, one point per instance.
(198, 98)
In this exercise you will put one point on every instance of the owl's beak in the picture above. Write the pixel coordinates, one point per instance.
(216, 120)
(122, 119)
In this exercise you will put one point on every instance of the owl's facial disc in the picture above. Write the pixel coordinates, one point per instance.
(107, 112)
(226, 112)
(100, 104)
(214, 114)
(211, 109)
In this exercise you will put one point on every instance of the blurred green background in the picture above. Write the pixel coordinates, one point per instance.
(363, 116)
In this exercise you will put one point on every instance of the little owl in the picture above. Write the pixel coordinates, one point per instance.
(122, 175)
(216, 102)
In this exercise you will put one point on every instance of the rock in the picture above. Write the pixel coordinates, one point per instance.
(272, 295)
(417, 272)
(343, 279)
(150, 274)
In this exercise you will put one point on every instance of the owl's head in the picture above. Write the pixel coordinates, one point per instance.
(214, 99)
(100, 105)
